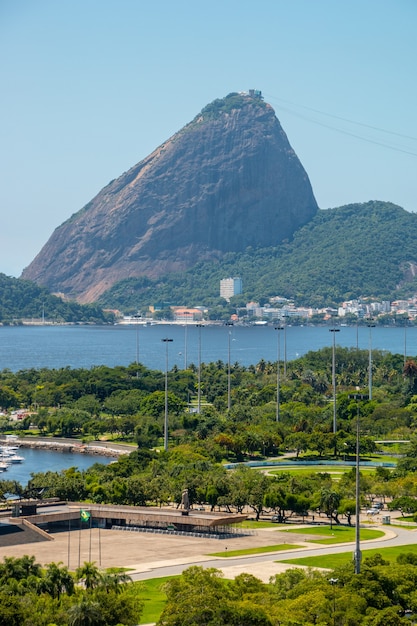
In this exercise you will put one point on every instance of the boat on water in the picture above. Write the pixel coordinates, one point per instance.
(14, 458)
(8, 454)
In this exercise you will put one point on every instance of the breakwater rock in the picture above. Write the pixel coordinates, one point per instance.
(70, 445)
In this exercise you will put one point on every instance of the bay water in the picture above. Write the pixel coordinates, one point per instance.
(36, 460)
(25, 347)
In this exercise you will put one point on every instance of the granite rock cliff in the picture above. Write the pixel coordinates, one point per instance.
(228, 180)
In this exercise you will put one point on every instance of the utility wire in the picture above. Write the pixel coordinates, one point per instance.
(346, 132)
(343, 119)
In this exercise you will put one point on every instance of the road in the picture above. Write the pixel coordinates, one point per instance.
(265, 565)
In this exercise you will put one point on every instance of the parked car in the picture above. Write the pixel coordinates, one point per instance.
(372, 511)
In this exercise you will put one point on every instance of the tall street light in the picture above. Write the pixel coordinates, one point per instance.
(357, 553)
(285, 345)
(199, 326)
(405, 339)
(186, 314)
(370, 325)
(136, 317)
(333, 582)
(334, 331)
(166, 341)
(229, 397)
(278, 328)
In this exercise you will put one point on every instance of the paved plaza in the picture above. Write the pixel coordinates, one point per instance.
(142, 553)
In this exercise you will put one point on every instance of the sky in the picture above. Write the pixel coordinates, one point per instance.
(90, 87)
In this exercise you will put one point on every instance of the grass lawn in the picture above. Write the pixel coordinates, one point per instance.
(260, 550)
(336, 471)
(338, 534)
(254, 525)
(154, 598)
(331, 561)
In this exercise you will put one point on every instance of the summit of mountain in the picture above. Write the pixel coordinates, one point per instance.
(227, 181)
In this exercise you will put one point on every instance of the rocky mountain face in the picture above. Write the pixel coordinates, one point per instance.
(228, 180)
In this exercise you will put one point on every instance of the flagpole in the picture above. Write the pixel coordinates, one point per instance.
(79, 543)
(99, 537)
(99, 544)
(69, 549)
(89, 548)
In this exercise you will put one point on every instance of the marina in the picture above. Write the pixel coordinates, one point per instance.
(52, 458)
(9, 449)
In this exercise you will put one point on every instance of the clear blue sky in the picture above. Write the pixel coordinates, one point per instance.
(91, 87)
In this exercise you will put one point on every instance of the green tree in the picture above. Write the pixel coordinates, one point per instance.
(329, 502)
(57, 580)
(89, 574)
(87, 612)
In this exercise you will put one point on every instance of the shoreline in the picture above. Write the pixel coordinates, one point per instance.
(95, 448)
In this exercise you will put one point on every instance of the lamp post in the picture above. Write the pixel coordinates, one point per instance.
(333, 582)
(405, 340)
(357, 333)
(334, 331)
(370, 325)
(285, 346)
(199, 326)
(166, 341)
(278, 328)
(186, 314)
(229, 397)
(137, 338)
(357, 554)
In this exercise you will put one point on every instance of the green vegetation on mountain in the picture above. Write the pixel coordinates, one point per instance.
(356, 250)
(22, 299)
(225, 105)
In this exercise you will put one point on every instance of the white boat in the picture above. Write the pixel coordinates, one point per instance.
(14, 458)
(8, 455)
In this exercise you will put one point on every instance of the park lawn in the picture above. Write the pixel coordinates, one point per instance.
(259, 550)
(384, 458)
(337, 534)
(335, 470)
(309, 469)
(253, 524)
(332, 561)
(154, 598)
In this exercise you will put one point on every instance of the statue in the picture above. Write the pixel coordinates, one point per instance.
(185, 500)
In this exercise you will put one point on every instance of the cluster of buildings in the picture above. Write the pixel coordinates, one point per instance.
(361, 309)
(280, 308)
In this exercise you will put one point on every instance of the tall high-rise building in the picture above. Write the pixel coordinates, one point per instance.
(230, 287)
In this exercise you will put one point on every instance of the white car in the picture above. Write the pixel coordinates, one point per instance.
(372, 511)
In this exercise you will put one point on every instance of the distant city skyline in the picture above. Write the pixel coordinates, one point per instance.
(90, 89)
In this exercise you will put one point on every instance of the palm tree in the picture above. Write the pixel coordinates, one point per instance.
(85, 613)
(329, 501)
(89, 574)
(114, 581)
(57, 580)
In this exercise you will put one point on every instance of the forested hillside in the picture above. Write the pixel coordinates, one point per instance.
(356, 250)
(22, 299)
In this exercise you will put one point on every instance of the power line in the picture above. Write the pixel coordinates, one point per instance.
(347, 132)
(344, 119)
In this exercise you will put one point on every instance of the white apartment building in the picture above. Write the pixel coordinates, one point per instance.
(230, 287)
